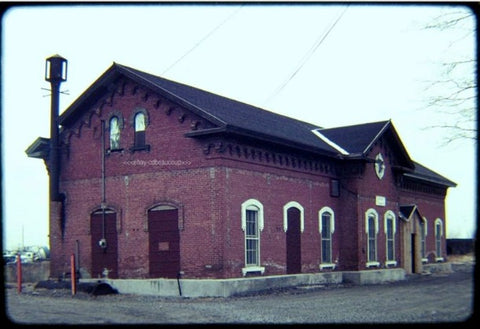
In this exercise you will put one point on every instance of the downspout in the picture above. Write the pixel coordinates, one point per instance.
(103, 241)
(54, 147)
(56, 73)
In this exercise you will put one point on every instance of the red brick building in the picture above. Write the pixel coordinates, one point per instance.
(160, 178)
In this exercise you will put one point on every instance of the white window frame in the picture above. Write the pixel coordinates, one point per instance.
(423, 240)
(252, 204)
(390, 215)
(289, 205)
(368, 213)
(438, 257)
(330, 211)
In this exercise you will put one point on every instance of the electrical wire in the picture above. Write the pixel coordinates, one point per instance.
(307, 56)
(202, 40)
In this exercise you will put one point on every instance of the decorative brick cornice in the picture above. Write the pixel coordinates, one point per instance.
(236, 151)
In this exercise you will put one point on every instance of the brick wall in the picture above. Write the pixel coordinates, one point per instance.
(208, 179)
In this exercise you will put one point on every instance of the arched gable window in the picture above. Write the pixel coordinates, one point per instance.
(326, 226)
(139, 126)
(390, 230)
(371, 229)
(114, 128)
(252, 225)
(438, 239)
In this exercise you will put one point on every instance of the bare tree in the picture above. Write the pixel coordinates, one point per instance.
(455, 93)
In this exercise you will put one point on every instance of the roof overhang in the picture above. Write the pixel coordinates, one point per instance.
(39, 149)
(236, 131)
(444, 183)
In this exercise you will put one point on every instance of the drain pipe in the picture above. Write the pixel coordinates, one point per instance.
(179, 274)
(103, 242)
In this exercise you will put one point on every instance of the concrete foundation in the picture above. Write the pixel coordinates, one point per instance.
(230, 287)
(374, 276)
(217, 287)
(438, 268)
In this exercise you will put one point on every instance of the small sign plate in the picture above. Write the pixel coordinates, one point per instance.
(380, 201)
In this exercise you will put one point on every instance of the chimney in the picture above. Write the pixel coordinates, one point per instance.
(55, 73)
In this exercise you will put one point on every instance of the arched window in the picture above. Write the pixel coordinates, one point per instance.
(114, 126)
(371, 229)
(252, 225)
(326, 227)
(139, 126)
(423, 235)
(390, 230)
(438, 239)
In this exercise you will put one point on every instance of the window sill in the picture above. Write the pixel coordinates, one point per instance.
(110, 151)
(329, 266)
(373, 264)
(251, 269)
(134, 149)
(391, 263)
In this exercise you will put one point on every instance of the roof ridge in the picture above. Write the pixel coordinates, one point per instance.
(135, 71)
(358, 124)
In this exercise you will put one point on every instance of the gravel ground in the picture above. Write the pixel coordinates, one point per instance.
(434, 298)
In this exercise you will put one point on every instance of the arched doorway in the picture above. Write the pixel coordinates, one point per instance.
(103, 229)
(294, 248)
(164, 242)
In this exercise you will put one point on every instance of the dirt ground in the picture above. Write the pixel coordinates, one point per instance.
(435, 298)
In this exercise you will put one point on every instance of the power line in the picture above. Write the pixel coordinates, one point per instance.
(307, 55)
(202, 40)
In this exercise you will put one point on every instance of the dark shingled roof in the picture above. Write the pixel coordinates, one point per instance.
(422, 172)
(231, 116)
(356, 138)
(240, 116)
(407, 210)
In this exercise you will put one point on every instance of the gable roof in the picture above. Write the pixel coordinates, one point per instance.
(356, 138)
(227, 114)
(407, 211)
(231, 116)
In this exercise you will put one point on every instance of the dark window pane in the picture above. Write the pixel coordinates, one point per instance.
(390, 247)
(326, 251)
(326, 225)
(371, 227)
(139, 138)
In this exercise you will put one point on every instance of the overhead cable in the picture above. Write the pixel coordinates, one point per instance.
(307, 56)
(202, 40)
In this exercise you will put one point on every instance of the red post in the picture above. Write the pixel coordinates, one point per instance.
(19, 273)
(73, 274)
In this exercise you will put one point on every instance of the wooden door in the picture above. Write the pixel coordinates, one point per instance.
(164, 243)
(294, 249)
(104, 259)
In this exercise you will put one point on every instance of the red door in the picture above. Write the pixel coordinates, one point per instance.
(164, 243)
(104, 258)
(294, 250)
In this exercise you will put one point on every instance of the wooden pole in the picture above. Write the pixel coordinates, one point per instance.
(73, 274)
(19, 274)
